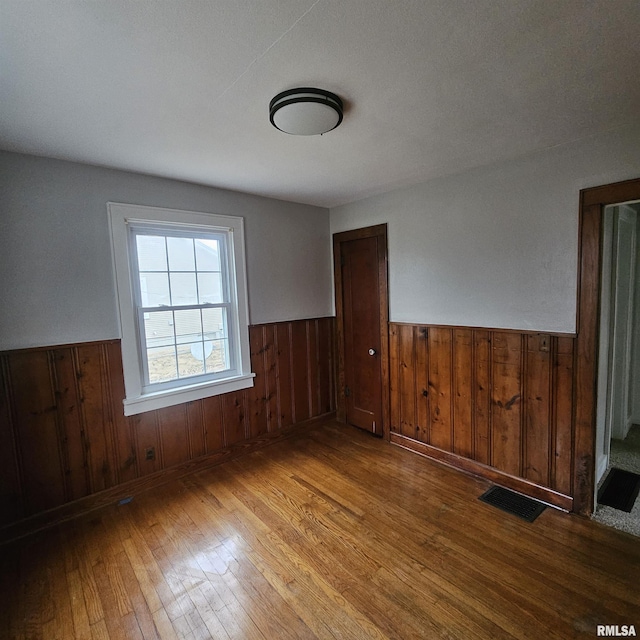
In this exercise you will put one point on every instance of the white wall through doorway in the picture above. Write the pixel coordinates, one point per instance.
(619, 335)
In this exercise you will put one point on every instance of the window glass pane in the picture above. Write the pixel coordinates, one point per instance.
(190, 362)
(188, 326)
(213, 323)
(183, 289)
(218, 360)
(154, 289)
(158, 328)
(180, 254)
(210, 288)
(162, 364)
(152, 253)
(208, 254)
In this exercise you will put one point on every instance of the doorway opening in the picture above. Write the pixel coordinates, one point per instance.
(592, 204)
(618, 384)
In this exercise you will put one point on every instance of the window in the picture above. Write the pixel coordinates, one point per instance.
(182, 298)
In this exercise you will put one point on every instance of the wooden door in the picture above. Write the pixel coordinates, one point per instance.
(362, 326)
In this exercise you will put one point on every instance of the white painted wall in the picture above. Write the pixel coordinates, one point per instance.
(56, 278)
(495, 246)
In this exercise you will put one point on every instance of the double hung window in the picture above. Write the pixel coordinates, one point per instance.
(182, 297)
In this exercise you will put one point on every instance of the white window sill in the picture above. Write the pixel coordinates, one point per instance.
(171, 397)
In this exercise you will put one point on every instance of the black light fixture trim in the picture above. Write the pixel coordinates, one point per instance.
(319, 96)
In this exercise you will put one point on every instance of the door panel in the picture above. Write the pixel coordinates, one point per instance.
(362, 348)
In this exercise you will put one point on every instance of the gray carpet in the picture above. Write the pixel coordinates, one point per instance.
(625, 454)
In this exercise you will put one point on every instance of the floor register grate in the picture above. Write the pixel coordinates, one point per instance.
(514, 503)
(620, 490)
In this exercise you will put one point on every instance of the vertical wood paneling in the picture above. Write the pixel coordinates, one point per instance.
(96, 415)
(482, 395)
(63, 433)
(463, 439)
(11, 507)
(407, 382)
(284, 376)
(234, 414)
(537, 409)
(172, 428)
(196, 428)
(123, 435)
(333, 368)
(563, 416)
(394, 376)
(34, 419)
(440, 384)
(145, 428)
(213, 426)
(300, 371)
(68, 401)
(501, 398)
(507, 402)
(271, 377)
(325, 363)
(257, 395)
(420, 337)
(312, 367)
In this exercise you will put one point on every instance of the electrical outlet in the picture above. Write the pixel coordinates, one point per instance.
(150, 453)
(544, 343)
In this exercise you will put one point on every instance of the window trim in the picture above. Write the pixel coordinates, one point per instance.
(121, 217)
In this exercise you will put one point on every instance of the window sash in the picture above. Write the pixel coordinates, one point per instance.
(230, 320)
(173, 231)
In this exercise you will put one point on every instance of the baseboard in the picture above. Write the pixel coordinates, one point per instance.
(112, 495)
(526, 487)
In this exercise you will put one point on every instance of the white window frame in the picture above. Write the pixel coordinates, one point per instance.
(138, 398)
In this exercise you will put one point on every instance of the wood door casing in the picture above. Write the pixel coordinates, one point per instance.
(360, 260)
(592, 203)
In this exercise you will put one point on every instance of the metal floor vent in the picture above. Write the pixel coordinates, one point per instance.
(513, 503)
(620, 490)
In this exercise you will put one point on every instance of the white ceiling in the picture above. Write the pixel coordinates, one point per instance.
(181, 88)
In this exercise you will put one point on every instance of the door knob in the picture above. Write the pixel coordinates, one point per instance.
(372, 352)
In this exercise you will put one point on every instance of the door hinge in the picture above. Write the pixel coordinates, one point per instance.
(347, 392)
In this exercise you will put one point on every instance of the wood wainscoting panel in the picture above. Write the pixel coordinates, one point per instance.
(11, 490)
(503, 399)
(506, 402)
(440, 385)
(64, 435)
(32, 397)
(462, 359)
(481, 398)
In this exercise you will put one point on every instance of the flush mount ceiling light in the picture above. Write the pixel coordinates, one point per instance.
(305, 111)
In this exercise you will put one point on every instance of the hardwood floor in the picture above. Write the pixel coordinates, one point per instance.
(330, 534)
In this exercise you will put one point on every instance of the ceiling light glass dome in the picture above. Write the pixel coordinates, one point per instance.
(305, 111)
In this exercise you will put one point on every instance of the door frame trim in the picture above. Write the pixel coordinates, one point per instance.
(592, 204)
(379, 231)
